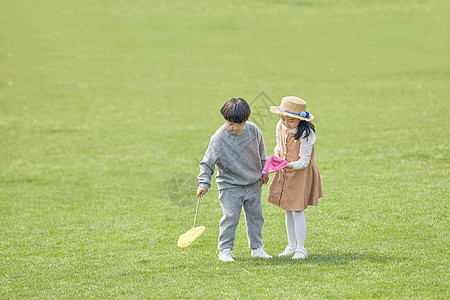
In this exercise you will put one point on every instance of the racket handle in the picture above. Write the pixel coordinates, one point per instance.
(196, 211)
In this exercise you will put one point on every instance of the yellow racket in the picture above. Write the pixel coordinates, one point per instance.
(192, 234)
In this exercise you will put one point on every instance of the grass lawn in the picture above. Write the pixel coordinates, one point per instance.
(106, 108)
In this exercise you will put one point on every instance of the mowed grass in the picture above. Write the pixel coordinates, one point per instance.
(106, 108)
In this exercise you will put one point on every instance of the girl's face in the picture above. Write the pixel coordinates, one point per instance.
(235, 128)
(289, 122)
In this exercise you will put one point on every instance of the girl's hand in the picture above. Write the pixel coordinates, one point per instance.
(277, 153)
(265, 179)
(290, 166)
(201, 191)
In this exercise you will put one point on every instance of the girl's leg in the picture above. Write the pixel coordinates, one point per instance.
(300, 228)
(290, 229)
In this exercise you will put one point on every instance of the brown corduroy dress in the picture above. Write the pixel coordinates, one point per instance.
(294, 190)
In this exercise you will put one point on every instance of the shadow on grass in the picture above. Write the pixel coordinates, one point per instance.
(333, 258)
(323, 259)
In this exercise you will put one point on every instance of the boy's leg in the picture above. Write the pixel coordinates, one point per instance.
(231, 202)
(253, 215)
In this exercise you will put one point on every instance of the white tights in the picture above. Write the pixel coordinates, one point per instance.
(296, 229)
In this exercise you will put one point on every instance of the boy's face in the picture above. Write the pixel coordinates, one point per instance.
(289, 122)
(235, 128)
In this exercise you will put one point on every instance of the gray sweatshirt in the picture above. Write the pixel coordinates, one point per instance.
(239, 158)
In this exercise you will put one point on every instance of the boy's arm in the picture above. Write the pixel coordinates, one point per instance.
(262, 150)
(207, 167)
(263, 155)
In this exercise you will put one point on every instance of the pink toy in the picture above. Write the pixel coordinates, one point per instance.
(273, 164)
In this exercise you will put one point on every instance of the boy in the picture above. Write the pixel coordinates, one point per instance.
(237, 150)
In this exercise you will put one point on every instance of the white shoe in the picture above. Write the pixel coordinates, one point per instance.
(259, 252)
(225, 255)
(288, 251)
(300, 254)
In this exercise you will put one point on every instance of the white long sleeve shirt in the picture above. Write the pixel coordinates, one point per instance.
(305, 150)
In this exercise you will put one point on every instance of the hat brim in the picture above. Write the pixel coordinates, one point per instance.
(277, 110)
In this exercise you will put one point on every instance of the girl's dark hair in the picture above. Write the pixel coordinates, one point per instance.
(235, 110)
(305, 128)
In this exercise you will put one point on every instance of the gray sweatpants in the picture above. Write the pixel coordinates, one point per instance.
(232, 201)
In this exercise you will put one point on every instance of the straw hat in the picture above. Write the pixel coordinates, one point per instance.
(293, 107)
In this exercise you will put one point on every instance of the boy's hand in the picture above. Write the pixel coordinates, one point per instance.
(277, 153)
(201, 191)
(265, 179)
(290, 166)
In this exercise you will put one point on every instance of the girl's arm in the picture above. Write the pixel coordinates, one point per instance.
(276, 151)
(305, 151)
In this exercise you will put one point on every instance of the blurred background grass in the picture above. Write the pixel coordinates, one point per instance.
(103, 103)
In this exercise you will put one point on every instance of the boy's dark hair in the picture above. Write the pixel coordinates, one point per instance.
(304, 127)
(235, 110)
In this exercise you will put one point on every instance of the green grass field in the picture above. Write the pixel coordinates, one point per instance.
(106, 108)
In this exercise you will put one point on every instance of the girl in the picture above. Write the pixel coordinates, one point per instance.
(298, 185)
